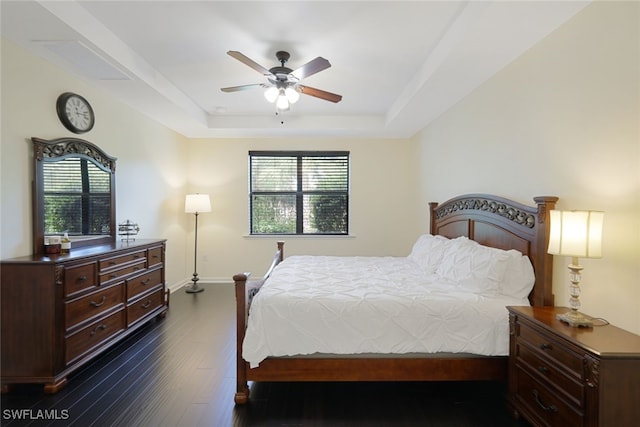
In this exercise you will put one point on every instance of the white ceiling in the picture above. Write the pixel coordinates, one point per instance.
(397, 64)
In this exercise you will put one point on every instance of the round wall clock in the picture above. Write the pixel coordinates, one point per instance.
(75, 112)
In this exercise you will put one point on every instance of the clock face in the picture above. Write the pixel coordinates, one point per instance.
(75, 112)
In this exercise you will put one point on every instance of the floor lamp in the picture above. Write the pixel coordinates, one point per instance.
(196, 204)
(576, 234)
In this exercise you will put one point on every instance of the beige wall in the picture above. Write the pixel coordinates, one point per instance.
(150, 172)
(562, 120)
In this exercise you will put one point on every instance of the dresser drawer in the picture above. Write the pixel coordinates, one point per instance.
(144, 306)
(144, 282)
(154, 256)
(82, 309)
(93, 335)
(572, 390)
(548, 347)
(79, 278)
(120, 272)
(113, 262)
(547, 407)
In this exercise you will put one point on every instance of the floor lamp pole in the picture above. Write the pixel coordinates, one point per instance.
(194, 287)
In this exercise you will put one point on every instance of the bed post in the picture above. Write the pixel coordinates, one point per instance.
(544, 261)
(432, 217)
(242, 388)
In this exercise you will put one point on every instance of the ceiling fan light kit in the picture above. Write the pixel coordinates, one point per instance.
(284, 88)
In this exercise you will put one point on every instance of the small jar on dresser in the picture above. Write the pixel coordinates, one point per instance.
(60, 311)
(565, 376)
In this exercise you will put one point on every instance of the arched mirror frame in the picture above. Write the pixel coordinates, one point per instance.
(59, 149)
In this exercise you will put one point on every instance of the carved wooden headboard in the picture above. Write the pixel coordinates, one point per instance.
(505, 224)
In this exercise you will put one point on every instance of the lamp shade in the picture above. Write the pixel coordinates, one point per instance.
(576, 233)
(197, 203)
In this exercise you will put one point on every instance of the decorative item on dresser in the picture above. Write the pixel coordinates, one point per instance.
(61, 311)
(565, 376)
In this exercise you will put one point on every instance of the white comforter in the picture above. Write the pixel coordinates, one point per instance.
(354, 305)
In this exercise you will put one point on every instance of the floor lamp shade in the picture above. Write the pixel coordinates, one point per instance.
(575, 234)
(196, 204)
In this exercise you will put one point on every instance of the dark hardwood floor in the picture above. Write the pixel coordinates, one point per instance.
(180, 371)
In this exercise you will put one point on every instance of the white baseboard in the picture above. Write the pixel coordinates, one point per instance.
(203, 281)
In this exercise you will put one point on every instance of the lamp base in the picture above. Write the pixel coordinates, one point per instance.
(575, 319)
(193, 289)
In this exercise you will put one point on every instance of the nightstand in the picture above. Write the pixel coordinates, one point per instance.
(565, 376)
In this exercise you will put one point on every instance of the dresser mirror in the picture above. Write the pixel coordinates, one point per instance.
(74, 193)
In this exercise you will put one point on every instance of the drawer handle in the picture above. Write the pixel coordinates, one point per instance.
(146, 304)
(98, 304)
(136, 256)
(112, 263)
(99, 327)
(145, 281)
(82, 278)
(550, 408)
(544, 346)
(543, 369)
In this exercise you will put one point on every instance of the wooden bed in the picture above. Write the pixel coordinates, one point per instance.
(489, 220)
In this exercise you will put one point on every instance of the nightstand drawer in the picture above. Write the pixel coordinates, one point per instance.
(546, 406)
(546, 372)
(551, 348)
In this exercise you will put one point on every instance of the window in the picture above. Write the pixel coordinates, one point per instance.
(77, 198)
(299, 192)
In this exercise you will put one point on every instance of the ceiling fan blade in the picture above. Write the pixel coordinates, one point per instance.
(250, 62)
(322, 94)
(310, 68)
(243, 87)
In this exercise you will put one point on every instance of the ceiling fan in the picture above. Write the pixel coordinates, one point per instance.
(283, 85)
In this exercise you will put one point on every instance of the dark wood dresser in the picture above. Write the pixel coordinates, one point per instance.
(61, 311)
(565, 376)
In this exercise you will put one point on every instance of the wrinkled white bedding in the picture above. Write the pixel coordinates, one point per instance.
(353, 305)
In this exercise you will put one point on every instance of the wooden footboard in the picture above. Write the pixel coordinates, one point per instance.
(245, 291)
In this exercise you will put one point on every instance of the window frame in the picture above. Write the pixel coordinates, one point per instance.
(299, 192)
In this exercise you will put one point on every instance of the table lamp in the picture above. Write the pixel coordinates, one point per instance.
(576, 234)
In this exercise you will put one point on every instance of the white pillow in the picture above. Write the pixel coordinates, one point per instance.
(473, 267)
(519, 277)
(428, 250)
